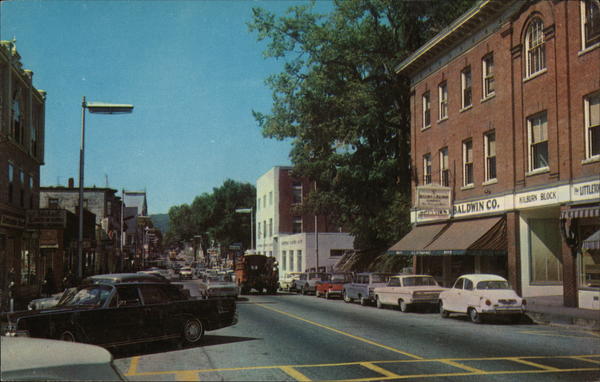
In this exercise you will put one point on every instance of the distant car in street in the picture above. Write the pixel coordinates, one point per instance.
(333, 286)
(307, 282)
(219, 285)
(481, 295)
(186, 273)
(287, 282)
(363, 286)
(120, 309)
(407, 291)
(28, 359)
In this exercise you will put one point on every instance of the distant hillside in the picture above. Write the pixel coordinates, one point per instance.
(161, 221)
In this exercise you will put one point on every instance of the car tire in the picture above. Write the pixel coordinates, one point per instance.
(68, 336)
(443, 312)
(317, 293)
(345, 297)
(474, 316)
(404, 307)
(363, 301)
(378, 302)
(193, 331)
(327, 296)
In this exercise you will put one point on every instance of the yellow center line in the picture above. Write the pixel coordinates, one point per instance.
(298, 376)
(551, 334)
(188, 375)
(342, 332)
(133, 365)
(379, 370)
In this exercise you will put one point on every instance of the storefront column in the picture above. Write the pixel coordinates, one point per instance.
(513, 253)
(569, 262)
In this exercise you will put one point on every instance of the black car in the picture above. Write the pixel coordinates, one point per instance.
(121, 309)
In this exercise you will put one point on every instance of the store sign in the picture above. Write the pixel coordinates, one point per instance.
(478, 207)
(433, 202)
(586, 191)
(49, 238)
(11, 221)
(46, 218)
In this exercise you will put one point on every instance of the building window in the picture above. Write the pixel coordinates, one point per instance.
(444, 169)
(490, 156)
(467, 163)
(259, 230)
(17, 118)
(283, 260)
(31, 191)
(592, 125)
(589, 270)
(336, 252)
(299, 260)
(270, 227)
(270, 198)
(536, 51)
(426, 110)
(296, 192)
(544, 250)
(258, 204)
(265, 228)
(465, 80)
(488, 75)
(538, 141)
(443, 100)
(297, 224)
(427, 169)
(265, 200)
(590, 18)
(21, 188)
(11, 182)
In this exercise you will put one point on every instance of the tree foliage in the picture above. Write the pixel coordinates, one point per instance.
(345, 109)
(212, 217)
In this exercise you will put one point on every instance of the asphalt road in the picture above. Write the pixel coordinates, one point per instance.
(293, 337)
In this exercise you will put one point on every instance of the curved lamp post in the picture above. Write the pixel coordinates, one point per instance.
(97, 108)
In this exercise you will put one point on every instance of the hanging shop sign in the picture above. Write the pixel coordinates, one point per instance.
(49, 238)
(12, 221)
(434, 202)
(47, 218)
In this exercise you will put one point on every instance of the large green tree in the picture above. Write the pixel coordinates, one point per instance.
(211, 218)
(345, 109)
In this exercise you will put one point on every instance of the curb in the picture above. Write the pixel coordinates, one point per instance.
(564, 320)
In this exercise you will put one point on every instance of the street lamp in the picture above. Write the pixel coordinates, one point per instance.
(251, 212)
(98, 108)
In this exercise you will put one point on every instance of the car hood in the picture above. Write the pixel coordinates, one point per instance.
(55, 309)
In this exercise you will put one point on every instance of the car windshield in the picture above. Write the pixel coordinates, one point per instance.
(419, 281)
(494, 284)
(379, 278)
(338, 278)
(92, 295)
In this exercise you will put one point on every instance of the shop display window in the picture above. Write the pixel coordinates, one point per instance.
(545, 251)
(589, 264)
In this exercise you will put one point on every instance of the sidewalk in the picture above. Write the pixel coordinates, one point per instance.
(549, 310)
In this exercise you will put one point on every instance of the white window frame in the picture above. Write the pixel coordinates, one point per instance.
(443, 101)
(487, 74)
(584, 20)
(426, 109)
(535, 47)
(464, 88)
(488, 156)
(531, 144)
(444, 169)
(467, 163)
(589, 127)
(427, 168)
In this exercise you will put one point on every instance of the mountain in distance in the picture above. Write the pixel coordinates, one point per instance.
(160, 221)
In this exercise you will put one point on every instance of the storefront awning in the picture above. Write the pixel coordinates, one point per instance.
(471, 237)
(414, 242)
(581, 212)
(592, 242)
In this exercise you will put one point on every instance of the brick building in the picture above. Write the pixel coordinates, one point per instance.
(293, 238)
(22, 121)
(505, 135)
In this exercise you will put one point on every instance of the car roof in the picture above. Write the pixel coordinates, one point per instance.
(49, 354)
(115, 278)
(476, 277)
(405, 275)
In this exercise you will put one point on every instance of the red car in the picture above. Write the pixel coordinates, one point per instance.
(333, 286)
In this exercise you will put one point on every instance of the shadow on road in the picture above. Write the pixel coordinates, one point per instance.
(163, 347)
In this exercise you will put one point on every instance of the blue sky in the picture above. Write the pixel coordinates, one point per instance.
(192, 70)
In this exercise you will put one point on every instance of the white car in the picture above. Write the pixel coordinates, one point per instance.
(407, 291)
(481, 295)
(186, 273)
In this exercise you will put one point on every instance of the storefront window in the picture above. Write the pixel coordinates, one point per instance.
(545, 251)
(28, 268)
(589, 265)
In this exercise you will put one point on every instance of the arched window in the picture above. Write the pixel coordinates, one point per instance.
(534, 44)
(591, 22)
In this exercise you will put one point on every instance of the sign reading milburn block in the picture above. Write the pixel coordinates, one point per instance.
(433, 202)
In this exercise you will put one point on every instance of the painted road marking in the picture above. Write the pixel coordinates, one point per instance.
(413, 356)
(379, 367)
(555, 334)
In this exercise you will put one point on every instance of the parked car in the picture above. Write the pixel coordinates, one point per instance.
(47, 302)
(308, 281)
(481, 295)
(333, 286)
(118, 309)
(28, 359)
(407, 291)
(363, 285)
(186, 273)
(219, 285)
(287, 283)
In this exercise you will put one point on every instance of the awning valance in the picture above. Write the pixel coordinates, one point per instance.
(581, 212)
(592, 242)
(417, 239)
(469, 237)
